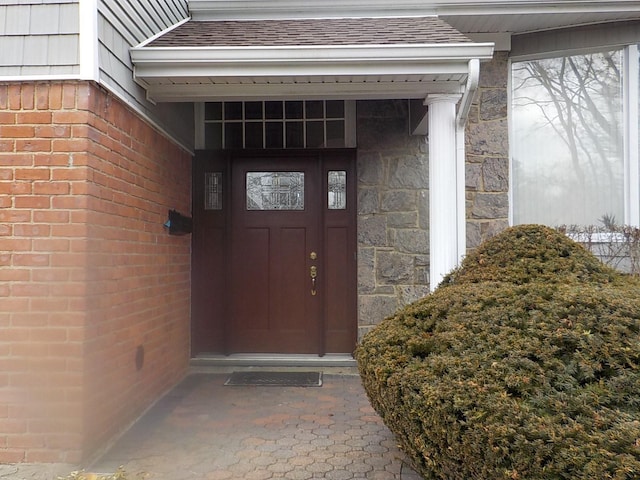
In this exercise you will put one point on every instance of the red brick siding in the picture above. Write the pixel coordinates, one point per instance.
(87, 271)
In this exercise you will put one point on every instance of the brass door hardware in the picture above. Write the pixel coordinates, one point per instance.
(313, 273)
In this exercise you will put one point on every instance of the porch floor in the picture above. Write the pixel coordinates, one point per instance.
(205, 430)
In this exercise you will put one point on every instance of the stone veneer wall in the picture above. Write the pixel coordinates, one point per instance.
(487, 149)
(393, 212)
(393, 193)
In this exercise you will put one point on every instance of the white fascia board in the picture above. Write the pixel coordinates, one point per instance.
(305, 91)
(305, 60)
(284, 69)
(290, 9)
(502, 41)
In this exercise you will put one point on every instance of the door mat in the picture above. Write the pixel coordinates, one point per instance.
(275, 379)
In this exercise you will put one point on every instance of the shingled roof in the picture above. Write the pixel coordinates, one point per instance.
(335, 31)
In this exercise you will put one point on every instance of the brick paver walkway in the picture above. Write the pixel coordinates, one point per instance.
(205, 430)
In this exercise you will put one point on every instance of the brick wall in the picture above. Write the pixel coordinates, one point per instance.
(94, 294)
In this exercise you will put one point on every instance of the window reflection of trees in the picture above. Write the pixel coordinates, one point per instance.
(568, 139)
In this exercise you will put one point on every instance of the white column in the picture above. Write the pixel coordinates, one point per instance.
(443, 187)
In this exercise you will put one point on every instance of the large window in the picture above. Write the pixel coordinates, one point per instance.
(574, 139)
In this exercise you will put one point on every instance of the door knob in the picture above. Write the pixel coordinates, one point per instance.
(313, 273)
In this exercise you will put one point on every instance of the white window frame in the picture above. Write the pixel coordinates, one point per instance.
(631, 86)
(631, 81)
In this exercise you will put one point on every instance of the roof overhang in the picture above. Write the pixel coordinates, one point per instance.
(263, 9)
(173, 74)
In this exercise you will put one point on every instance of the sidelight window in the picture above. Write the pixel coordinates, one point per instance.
(213, 191)
(337, 189)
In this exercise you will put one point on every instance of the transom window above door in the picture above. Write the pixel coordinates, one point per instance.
(276, 124)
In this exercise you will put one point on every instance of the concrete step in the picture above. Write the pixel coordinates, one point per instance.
(329, 364)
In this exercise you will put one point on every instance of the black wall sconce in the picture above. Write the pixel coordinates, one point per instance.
(178, 224)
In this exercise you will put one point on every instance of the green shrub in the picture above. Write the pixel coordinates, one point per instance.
(531, 253)
(523, 364)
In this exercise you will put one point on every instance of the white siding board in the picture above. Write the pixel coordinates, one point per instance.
(44, 19)
(39, 37)
(17, 20)
(63, 50)
(123, 24)
(35, 50)
(10, 71)
(3, 20)
(129, 27)
(11, 51)
(69, 19)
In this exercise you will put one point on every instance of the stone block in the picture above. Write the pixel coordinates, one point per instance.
(479, 231)
(368, 201)
(473, 176)
(402, 220)
(411, 241)
(421, 276)
(410, 293)
(489, 138)
(372, 309)
(372, 230)
(409, 171)
(494, 74)
(423, 209)
(474, 237)
(370, 168)
(490, 206)
(493, 104)
(495, 174)
(366, 270)
(399, 201)
(421, 260)
(393, 268)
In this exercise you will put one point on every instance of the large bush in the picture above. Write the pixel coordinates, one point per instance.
(523, 364)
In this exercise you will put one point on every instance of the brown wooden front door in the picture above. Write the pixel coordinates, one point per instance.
(282, 236)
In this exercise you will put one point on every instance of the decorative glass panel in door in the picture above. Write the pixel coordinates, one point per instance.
(275, 190)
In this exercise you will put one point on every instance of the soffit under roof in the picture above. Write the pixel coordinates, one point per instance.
(306, 58)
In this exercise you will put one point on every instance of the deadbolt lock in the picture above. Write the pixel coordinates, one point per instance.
(313, 255)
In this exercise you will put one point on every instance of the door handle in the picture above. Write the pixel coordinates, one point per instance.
(313, 273)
